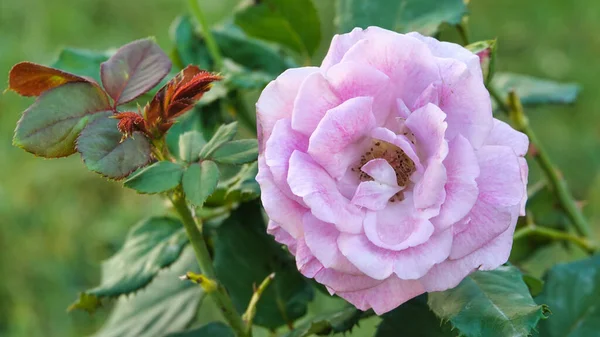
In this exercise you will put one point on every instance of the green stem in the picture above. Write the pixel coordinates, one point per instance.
(213, 48)
(554, 234)
(251, 310)
(463, 32)
(514, 109)
(193, 229)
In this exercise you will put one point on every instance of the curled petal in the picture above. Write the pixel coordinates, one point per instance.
(314, 98)
(374, 195)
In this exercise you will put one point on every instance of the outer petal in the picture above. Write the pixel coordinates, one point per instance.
(331, 145)
(407, 61)
(466, 102)
(307, 264)
(279, 148)
(321, 239)
(281, 209)
(503, 134)
(277, 100)
(314, 98)
(354, 79)
(386, 296)
(375, 262)
(448, 274)
(318, 190)
(413, 263)
(524, 177)
(340, 45)
(500, 181)
(462, 170)
(452, 51)
(282, 236)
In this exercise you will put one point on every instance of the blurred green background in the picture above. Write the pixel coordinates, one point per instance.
(58, 221)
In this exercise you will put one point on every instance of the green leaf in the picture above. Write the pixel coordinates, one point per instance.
(424, 16)
(215, 329)
(414, 319)
(244, 186)
(166, 306)
(534, 284)
(486, 51)
(534, 90)
(339, 321)
(237, 152)
(489, 303)
(200, 181)
(190, 144)
(151, 245)
(248, 52)
(240, 77)
(159, 177)
(50, 126)
(572, 291)
(294, 24)
(245, 255)
(223, 134)
(103, 151)
(82, 62)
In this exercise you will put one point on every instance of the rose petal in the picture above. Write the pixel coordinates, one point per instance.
(331, 143)
(318, 190)
(500, 180)
(380, 170)
(283, 141)
(503, 134)
(314, 98)
(374, 195)
(462, 170)
(277, 100)
(353, 79)
(428, 126)
(413, 263)
(306, 263)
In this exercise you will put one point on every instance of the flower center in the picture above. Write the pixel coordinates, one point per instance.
(395, 156)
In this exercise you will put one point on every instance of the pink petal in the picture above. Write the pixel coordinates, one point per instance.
(331, 143)
(407, 61)
(375, 262)
(282, 236)
(413, 263)
(429, 95)
(462, 169)
(503, 134)
(400, 141)
(487, 222)
(321, 239)
(339, 46)
(277, 100)
(380, 170)
(307, 264)
(524, 176)
(453, 51)
(278, 150)
(374, 195)
(500, 181)
(314, 98)
(493, 254)
(353, 79)
(466, 102)
(399, 226)
(386, 296)
(403, 110)
(311, 182)
(343, 282)
(281, 209)
(428, 126)
(429, 191)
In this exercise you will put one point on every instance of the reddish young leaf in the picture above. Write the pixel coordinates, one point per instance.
(130, 122)
(133, 70)
(179, 95)
(31, 79)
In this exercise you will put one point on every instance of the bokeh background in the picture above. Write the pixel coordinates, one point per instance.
(58, 221)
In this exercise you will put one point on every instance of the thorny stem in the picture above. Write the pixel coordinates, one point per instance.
(544, 232)
(213, 48)
(193, 228)
(513, 107)
(251, 310)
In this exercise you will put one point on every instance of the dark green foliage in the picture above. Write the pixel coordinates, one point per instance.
(159, 177)
(245, 255)
(237, 152)
(200, 181)
(50, 126)
(340, 321)
(423, 16)
(216, 329)
(166, 306)
(489, 303)
(532, 90)
(103, 151)
(572, 291)
(414, 319)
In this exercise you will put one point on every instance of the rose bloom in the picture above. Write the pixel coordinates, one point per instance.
(383, 170)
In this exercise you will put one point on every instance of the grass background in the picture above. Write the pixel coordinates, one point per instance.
(58, 221)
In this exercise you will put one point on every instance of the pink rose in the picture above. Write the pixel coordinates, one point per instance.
(383, 170)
